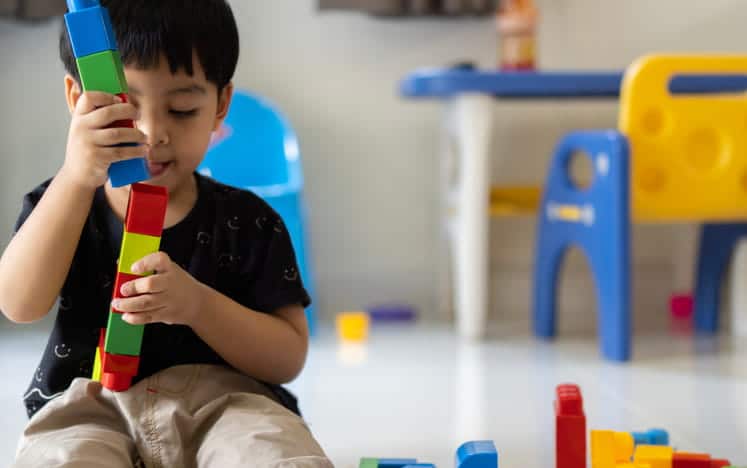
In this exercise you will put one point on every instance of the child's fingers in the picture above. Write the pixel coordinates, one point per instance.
(142, 318)
(119, 153)
(148, 285)
(158, 262)
(117, 136)
(91, 100)
(138, 304)
(107, 115)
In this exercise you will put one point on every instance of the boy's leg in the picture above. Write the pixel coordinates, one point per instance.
(215, 416)
(81, 428)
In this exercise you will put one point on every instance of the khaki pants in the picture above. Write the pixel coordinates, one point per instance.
(184, 416)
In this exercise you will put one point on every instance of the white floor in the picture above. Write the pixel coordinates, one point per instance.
(418, 392)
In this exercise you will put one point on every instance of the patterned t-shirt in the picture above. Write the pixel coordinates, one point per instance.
(231, 240)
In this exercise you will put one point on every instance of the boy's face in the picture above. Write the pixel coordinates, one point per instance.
(178, 113)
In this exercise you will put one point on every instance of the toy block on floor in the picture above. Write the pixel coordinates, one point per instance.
(121, 337)
(654, 456)
(651, 437)
(352, 326)
(610, 449)
(477, 454)
(146, 210)
(420, 465)
(395, 462)
(570, 427)
(369, 463)
(90, 31)
(718, 463)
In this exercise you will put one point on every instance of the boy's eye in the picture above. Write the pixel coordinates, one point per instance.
(183, 114)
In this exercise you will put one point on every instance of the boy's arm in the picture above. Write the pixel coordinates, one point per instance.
(37, 259)
(271, 348)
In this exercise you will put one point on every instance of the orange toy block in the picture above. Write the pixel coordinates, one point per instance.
(570, 427)
(611, 449)
(146, 210)
(656, 456)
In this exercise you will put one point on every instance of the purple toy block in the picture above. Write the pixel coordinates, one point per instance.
(392, 313)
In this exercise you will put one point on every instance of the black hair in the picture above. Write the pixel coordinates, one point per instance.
(176, 28)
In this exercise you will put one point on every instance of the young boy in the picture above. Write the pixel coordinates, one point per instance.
(225, 322)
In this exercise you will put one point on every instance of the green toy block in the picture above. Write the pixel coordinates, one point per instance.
(134, 248)
(121, 337)
(369, 463)
(102, 71)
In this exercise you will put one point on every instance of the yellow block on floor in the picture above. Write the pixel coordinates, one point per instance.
(352, 326)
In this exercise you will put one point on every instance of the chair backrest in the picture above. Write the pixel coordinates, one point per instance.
(688, 150)
(255, 149)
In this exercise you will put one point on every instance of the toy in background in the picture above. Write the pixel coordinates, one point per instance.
(117, 356)
(100, 68)
(474, 454)
(610, 449)
(352, 326)
(516, 21)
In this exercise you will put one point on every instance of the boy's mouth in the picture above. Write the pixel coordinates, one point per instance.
(158, 168)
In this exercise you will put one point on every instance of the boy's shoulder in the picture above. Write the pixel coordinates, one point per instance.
(234, 199)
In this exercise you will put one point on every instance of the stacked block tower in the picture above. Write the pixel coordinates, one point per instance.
(100, 68)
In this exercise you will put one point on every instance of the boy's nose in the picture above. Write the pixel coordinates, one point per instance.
(155, 134)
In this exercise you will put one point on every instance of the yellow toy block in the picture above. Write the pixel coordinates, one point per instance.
(656, 456)
(134, 248)
(96, 377)
(352, 326)
(611, 449)
(689, 151)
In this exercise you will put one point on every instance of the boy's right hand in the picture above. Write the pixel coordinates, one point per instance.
(91, 146)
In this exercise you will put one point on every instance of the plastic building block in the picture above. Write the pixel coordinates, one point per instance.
(120, 364)
(654, 456)
(90, 31)
(392, 313)
(75, 5)
(102, 72)
(477, 454)
(146, 210)
(128, 171)
(96, 375)
(570, 427)
(352, 326)
(369, 463)
(396, 462)
(610, 449)
(123, 123)
(719, 463)
(681, 306)
(651, 437)
(121, 279)
(121, 337)
(116, 382)
(134, 248)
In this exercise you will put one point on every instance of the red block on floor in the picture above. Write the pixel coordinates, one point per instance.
(691, 460)
(570, 427)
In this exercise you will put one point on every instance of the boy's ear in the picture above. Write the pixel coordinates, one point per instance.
(224, 102)
(72, 92)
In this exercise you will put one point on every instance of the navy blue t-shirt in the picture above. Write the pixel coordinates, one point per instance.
(231, 240)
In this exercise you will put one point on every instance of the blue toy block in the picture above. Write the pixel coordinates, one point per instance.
(597, 219)
(717, 242)
(396, 462)
(76, 5)
(651, 437)
(90, 31)
(477, 454)
(128, 172)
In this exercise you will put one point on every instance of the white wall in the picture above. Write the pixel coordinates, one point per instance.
(370, 156)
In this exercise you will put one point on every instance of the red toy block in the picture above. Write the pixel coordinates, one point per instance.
(690, 460)
(119, 364)
(720, 463)
(121, 279)
(122, 123)
(570, 427)
(116, 382)
(146, 210)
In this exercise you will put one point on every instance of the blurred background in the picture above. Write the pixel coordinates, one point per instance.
(371, 167)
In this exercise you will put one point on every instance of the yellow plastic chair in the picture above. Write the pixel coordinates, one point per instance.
(687, 162)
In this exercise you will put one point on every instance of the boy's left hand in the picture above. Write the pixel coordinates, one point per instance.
(170, 295)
